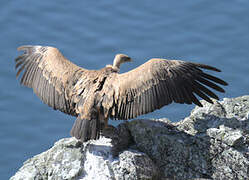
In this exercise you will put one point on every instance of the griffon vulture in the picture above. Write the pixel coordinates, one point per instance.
(94, 96)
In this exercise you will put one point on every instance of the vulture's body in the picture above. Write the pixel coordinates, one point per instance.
(94, 96)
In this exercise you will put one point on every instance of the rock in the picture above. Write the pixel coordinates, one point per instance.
(212, 143)
(133, 164)
(69, 159)
(62, 161)
(177, 154)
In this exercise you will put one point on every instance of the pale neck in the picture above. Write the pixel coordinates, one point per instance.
(114, 68)
(116, 63)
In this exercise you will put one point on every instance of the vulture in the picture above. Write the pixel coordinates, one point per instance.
(94, 96)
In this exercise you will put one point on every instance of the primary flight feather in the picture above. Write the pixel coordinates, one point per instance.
(94, 96)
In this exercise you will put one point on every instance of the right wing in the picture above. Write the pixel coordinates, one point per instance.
(159, 82)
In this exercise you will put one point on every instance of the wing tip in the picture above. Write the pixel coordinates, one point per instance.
(215, 69)
(198, 104)
(204, 66)
(28, 48)
(225, 83)
(23, 47)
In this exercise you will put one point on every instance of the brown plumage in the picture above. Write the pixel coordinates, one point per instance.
(94, 96)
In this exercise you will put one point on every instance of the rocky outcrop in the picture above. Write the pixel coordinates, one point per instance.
(68, 159)
(212, 143)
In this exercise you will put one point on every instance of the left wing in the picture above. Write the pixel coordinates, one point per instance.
(50, 75)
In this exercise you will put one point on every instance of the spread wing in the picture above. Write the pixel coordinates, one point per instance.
(159, 82)
(50, 75)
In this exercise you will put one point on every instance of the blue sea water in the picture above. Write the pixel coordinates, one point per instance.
(90, 33)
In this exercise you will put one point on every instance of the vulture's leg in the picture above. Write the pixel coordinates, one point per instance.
(108, 129)
(102, 121)
(106, 122)
(85, 129)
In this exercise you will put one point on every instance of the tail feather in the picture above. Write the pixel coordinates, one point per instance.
(85, 130)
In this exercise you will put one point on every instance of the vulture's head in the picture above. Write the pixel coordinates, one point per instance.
(119, 59)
